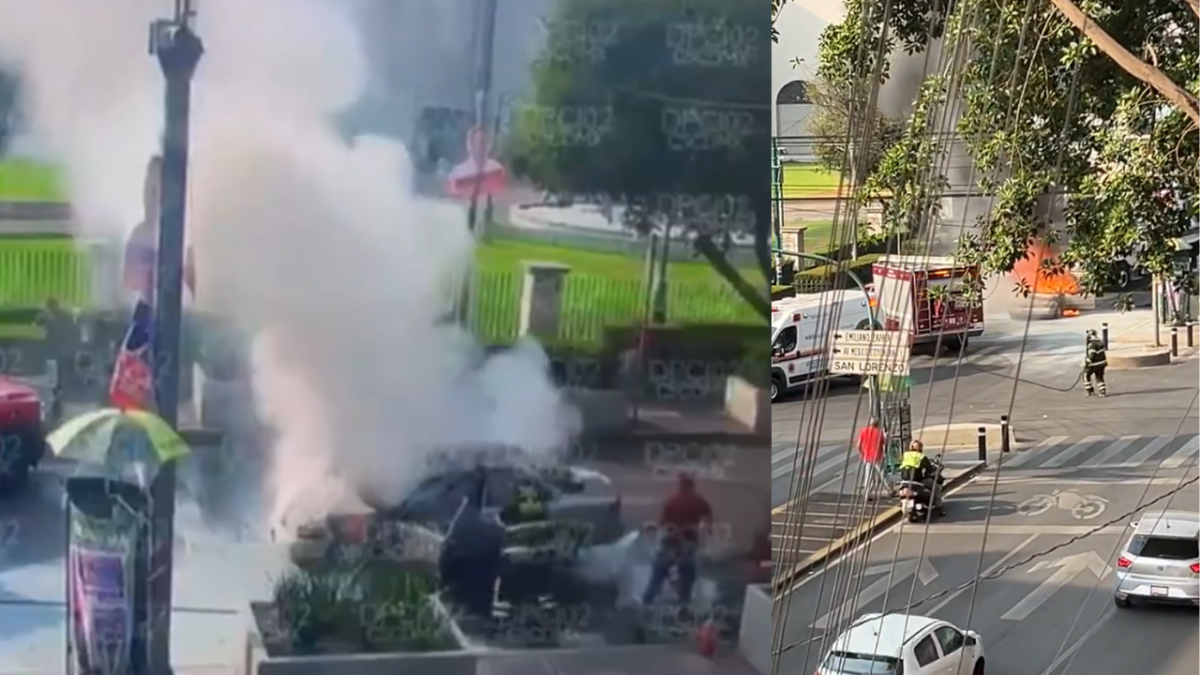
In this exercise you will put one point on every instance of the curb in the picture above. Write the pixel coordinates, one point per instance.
(962, 435)
(781, 585)
(1149, 358)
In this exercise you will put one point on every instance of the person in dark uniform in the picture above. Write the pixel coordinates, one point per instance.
(1094, 363)
(526, 517)
(526, 505)
(472, 552)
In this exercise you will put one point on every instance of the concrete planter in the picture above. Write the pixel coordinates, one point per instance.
(268, 652)
(748, 404)
(601, 410)
(755, 633)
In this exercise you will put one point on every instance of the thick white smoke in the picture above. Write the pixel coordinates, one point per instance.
(309, 241)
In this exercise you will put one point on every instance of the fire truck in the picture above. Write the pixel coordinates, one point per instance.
(924, 295)
(801, 330)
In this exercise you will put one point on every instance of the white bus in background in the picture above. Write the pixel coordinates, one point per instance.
(802, 330)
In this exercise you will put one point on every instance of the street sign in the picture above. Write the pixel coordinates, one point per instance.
(873, 337)
(865, 352)
(874, 352)
(869, 367)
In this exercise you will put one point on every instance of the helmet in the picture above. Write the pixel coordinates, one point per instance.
(1091, 332)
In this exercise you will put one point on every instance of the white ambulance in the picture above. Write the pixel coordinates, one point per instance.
(802, 329)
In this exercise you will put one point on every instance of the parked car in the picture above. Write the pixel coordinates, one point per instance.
(23, 414)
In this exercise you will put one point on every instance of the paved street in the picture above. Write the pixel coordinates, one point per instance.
(1044, 401)
(1052, 615)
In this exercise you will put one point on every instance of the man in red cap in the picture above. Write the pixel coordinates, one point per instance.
(684, 515)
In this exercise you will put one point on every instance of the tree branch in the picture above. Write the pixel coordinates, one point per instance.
(1177, 95)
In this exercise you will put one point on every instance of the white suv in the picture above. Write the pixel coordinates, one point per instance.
(904, 644)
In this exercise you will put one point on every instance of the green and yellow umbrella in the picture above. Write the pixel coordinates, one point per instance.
(127, 444)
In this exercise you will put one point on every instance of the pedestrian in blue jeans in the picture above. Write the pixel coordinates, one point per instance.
(683, 514)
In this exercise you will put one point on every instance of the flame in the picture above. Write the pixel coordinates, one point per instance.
(1029, 269)
(1070, 311)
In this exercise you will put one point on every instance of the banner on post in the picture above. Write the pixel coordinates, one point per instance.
(106, 544)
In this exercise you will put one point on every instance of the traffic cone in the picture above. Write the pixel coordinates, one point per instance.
(706, 640)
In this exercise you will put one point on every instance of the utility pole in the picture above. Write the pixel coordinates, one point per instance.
(178, 49)
(485, 40)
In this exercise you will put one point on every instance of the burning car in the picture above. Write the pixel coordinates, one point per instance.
(22, 435)
(582, 509)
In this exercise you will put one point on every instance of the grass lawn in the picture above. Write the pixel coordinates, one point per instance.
(806, 180)
(603, 288)
(25, 181)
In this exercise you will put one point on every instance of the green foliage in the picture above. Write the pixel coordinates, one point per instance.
(677, 86)
(860, 266)
(834, 106)
(372, 606)
(1044, 113)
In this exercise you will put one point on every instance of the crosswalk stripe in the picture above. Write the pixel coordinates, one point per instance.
(837, 461)
(1063, 457)
(789, 450)
(1147, 452)
(978, 353)
(1112, 450)
(785, 450)
(1183, 454)
(1023, 457)
(834, 455)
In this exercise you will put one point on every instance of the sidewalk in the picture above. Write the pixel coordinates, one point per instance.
(1137, 328)
(835, 519)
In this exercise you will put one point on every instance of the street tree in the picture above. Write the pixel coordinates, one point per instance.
(837, 109)
(657, 106)
(1093, 101)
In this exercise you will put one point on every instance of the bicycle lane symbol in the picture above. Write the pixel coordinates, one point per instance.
(1081, 506)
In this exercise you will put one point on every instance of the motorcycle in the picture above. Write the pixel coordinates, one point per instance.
(916, 498)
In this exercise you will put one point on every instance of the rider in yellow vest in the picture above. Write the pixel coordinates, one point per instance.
(915, 466)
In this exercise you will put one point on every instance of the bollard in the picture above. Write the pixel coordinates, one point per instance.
(1104, 334)
(983, 444)
(1004, 444)
(1174, 341)
(1191, 336)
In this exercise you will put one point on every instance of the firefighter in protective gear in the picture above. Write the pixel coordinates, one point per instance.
(527, 506)
(1095, 361)
(916, 467)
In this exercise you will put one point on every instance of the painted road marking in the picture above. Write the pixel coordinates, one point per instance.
(1182, 455)
(1027, 455)
(1061, 458)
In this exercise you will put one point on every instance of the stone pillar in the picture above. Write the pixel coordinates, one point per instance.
(105, 258)
(873, 218)
(541, 299)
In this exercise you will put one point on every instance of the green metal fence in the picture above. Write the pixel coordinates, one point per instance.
(33, 270)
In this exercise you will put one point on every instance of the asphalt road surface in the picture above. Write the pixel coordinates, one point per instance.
(1042, 399)
(1052, 615)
